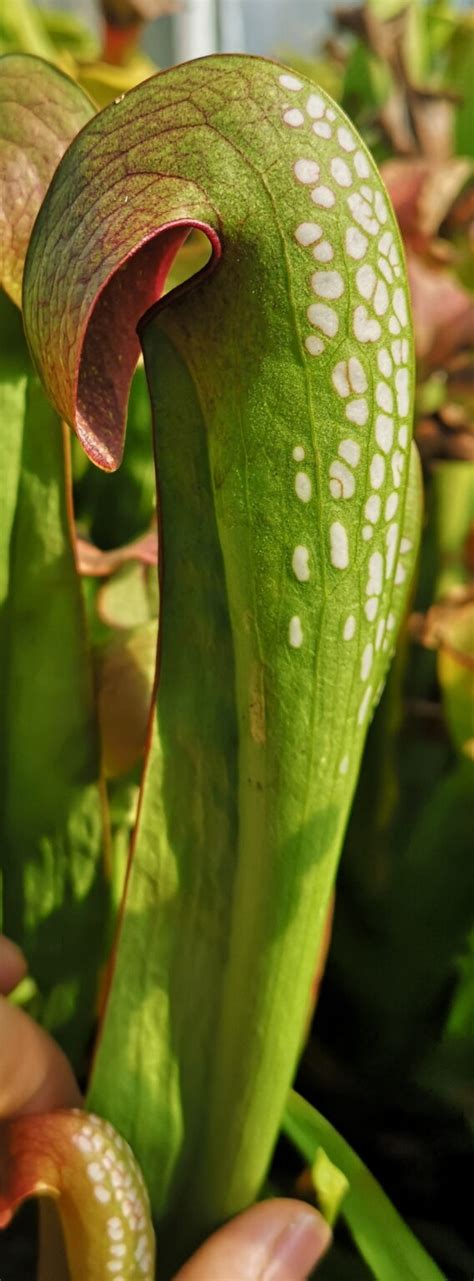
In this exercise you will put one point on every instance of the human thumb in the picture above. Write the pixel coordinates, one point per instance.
(278, 1240)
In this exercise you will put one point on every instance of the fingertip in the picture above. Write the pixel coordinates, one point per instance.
(277, 1240)
(13, 965)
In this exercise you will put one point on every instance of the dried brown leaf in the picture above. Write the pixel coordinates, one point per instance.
(423, 192)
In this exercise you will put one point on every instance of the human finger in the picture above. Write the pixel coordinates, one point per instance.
(278, 1240)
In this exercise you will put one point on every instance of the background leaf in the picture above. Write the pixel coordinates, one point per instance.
(51, 822)
(41, 110)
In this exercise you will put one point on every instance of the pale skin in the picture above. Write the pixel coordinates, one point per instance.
(278, 1240)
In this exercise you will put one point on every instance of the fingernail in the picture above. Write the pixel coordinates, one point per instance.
(298, 1248)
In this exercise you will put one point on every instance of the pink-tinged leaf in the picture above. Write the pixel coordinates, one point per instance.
(442, 312)
(90, 1171)
(41, 111)
(99, 564)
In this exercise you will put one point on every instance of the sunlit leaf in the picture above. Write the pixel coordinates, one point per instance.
(330, 1184)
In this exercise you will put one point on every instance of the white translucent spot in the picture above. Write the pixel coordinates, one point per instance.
(403, 436)
(362, 213)
(115, 1228)
(380, 207)
(322, 129)
(307, 233)
(361, 165)
(386, 270)
(315, 106)
(300, 564)
(393, 325)
(380, 633)
(366, 661)
(340, 379)
(367, 533)
(391, 506)
(365, 704)
(341, 172)
(384, 362)
(357, 375)
(298, 453)
(397, 351)
(391, 621)
(400, 575)
(295, 632)
(95, 1172)
(385, 243)
(102, 1194)
(400, 306)
(381, 299)
(368, 193)
(114, 1266)
(327, 284)
(349, 450)
(81, 1142)
(375, 579)
(357, 411)
(391, 543)
(303, 486)
(377, 471)
(384, 432)
(339, 545)
(405, 351)
(393, 257)
(371, 609)
(324, 197)
(314, 345)
(406, 545)
(331, 115)
(294, 118)
(349, 627)
(384, 397)
(324, 318)
(306, 171)
(397, 468)
(366, 328)
(342, 483)
(356, 243)
(365, 280)
(346, 139)
(290, 82)
(118, 1250)
(344, 765)
(402, 386)
(324, 252)
(372, 508)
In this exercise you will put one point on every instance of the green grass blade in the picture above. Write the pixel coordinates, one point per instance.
(384, 1240)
